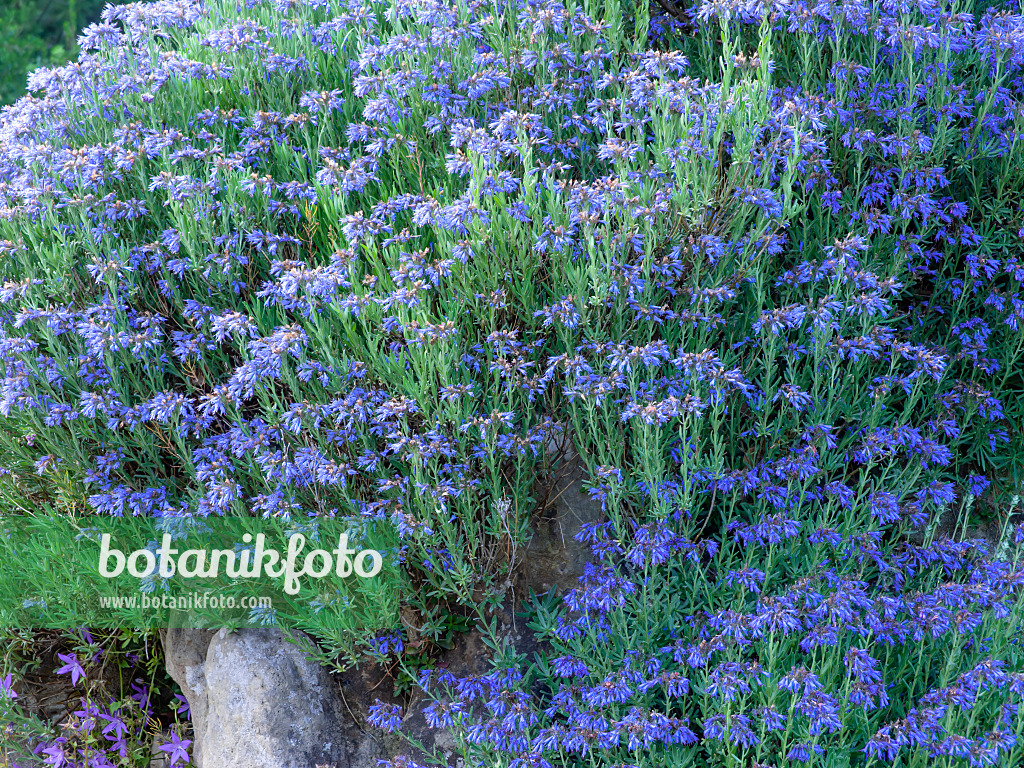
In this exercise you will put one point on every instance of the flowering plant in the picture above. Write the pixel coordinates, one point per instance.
(755, 263)
(114, 715)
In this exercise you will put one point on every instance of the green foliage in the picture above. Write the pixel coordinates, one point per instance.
(773, 310)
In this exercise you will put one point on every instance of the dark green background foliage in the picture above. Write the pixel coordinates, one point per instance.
(38, 33)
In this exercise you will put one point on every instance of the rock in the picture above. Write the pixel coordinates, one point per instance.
(159, 758)
(469, 655)
(984, 520)
(553, 557)
(259, 701)
(185, 659)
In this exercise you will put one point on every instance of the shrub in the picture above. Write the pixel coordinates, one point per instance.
(758, 265)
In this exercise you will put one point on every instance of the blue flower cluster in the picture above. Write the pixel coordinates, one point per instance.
(755, 265)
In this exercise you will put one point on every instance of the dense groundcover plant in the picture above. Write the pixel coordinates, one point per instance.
(758, 265)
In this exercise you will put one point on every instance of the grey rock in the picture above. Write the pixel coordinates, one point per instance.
(553, 557)
(159, 758)
(259, 701)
